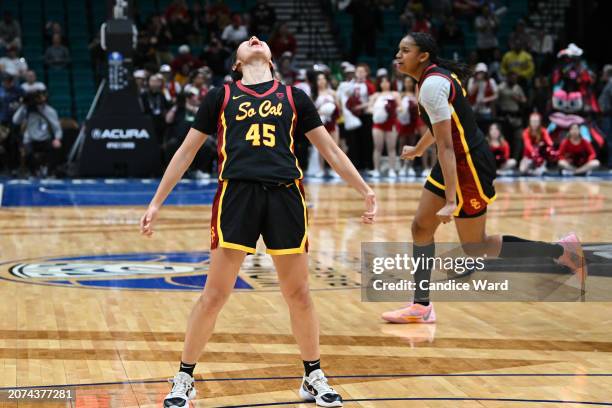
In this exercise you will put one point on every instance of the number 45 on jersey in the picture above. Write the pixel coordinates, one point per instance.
(267, 132)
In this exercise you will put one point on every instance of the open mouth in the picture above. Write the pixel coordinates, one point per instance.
(254, 42)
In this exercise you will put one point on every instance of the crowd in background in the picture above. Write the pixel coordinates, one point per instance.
(540, 105)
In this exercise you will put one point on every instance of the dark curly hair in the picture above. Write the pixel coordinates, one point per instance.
(427, 43)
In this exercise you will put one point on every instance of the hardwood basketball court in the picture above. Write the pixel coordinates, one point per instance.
(87, 302)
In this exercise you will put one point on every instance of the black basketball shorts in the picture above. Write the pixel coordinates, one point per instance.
(244, 210)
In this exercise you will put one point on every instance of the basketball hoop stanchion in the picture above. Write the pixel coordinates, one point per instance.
(117, 138)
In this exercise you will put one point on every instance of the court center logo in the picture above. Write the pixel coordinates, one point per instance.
(136, 271)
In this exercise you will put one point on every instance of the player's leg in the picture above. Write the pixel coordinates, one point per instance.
(233, 233)
(285, 233)
(378, 136)
(476, 242)
(423, 228)
(391, 143)
(292, 272)
(221, 277)
(224, 266)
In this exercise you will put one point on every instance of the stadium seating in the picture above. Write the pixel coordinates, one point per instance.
(386, 44)
(72, 90)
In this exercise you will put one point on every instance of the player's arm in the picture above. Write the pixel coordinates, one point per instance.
(336, 158)
(448, 163)
(434, 96)
(179, 164)
(410, 152)
(204, 124)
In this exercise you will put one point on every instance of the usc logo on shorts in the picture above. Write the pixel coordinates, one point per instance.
(212, 233)
(475, 204)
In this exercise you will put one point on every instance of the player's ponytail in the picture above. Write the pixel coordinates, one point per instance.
(427, 43)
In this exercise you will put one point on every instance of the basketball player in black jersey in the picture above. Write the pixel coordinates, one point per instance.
(260, 193)
(460, 185)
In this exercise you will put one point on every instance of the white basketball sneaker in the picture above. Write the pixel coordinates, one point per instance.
(183, 390)
(315, 388)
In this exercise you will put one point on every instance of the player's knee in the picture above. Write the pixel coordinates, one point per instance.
(421, 231)
(213, 299)
(298, 296)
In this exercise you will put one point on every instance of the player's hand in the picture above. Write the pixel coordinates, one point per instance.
(147, 221)
(410, 153)
(445, 214)
(370, 205)
(56, 143)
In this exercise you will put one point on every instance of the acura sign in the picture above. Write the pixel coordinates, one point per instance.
(120, 146)
(119, 134)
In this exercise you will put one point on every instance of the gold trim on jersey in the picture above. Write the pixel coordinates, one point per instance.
(291, 146)
(302, 247)
(469, 159)
(463, 90)
(222, 242)
(223, 153)
(436, 183)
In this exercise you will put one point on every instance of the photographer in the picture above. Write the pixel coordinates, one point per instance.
(41, 132)
(10, 97)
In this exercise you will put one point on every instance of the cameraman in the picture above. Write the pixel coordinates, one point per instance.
(10, 97)
(41, 130)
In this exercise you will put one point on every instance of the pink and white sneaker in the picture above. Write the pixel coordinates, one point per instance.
(573, 256)
(412, 313)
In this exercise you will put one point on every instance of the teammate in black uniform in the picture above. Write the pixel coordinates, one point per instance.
(260, 193)
(461, 183)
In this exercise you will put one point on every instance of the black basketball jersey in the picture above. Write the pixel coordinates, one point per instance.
(256, 134)
(465, 132)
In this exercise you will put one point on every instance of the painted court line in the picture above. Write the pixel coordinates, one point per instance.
(276, 404)
(100, 384)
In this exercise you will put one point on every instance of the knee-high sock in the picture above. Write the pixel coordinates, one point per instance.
(515, 247)
(423, 273)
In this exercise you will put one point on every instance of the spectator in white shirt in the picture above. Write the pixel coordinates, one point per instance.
(235, 33)
(31, 84)
(11, 64)
(482, 94)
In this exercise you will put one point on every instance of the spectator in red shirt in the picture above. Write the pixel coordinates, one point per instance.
(185, 58)
(282, 41)
(537, 147)
(177, 9)
(500, 149)
(421, 23)
(576, 155)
